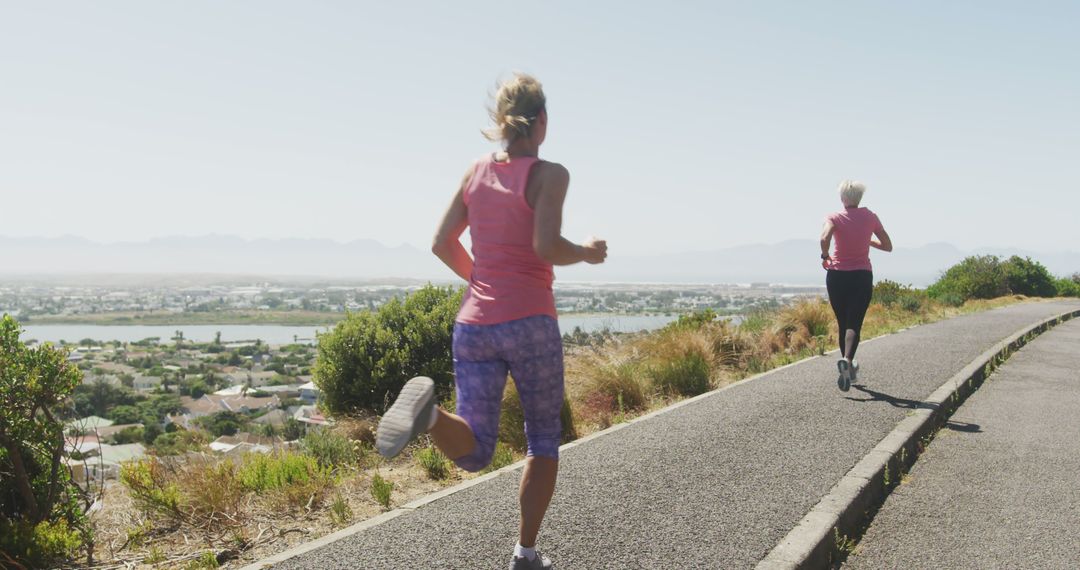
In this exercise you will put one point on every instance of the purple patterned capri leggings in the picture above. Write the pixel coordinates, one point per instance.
(530, 349)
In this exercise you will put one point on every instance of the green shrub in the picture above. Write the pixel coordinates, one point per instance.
(911, 303)
(328, 448)
(179, 442)
(41, 510)
(512, 421)
(40, 545)
(686, 375)
(205, 561)
(951, 299)
(293, 479)
(269, 471)
(1027, 277)
(133, 434)
(212, 493)
(155, 556)
(987, 277)
(694, 320)
(1067, 288)
(887, 292)
(150, 487)
(381, 489)
(976, 277)
(363, 363)
(756, 320)
(434, 463)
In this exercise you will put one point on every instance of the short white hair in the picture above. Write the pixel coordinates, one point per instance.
(851, 192)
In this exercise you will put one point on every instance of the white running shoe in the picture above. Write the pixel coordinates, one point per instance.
(538, 563)
(407, 418)
(844, 381)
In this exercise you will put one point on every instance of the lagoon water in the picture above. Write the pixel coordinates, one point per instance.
(285, 334)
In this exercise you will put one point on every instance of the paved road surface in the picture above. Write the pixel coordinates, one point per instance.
(714, 484)
(1002, 488)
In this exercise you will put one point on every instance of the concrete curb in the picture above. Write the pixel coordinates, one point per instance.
(840, 516)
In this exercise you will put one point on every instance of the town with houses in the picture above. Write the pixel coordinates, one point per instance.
(174, 397)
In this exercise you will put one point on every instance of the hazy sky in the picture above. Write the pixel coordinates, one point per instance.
(685, 127)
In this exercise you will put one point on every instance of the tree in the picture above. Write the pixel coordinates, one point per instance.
(126, 414)
(98, 397)
(223, 423)
(158, 406)
(34, 384)
(363, 363)
(151, 432)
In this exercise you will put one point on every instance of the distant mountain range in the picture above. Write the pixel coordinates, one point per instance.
(792, 261)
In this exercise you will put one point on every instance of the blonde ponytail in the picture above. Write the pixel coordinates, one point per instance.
(517, 104)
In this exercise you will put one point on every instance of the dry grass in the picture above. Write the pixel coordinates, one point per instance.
(643, 368)
(245, 524)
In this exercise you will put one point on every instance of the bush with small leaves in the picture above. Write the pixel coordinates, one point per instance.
(911, 303)
(330, 449)
(205, 561)
(434, 463)
(381, 489)
(1026, 276)
(366, 359)
(1067, 287)
(976, 277)
(41, 508)
(155, 556)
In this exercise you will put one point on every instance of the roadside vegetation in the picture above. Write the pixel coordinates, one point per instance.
(42, 513)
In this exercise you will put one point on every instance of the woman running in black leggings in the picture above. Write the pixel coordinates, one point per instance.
(850, 279)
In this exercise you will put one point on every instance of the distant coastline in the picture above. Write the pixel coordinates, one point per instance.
(290, 318)
(286, 318)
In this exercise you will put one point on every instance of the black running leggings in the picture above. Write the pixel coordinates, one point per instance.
(849, 295)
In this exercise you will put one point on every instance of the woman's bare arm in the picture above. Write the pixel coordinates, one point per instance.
(548, 185)
(826, 242)
(447, 243)
(883, 241)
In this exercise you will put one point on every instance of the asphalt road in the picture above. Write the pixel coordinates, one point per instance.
(1001, 489)
(714, 484)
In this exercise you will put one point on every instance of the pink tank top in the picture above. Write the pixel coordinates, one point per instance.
(854, 228)
(509, 280)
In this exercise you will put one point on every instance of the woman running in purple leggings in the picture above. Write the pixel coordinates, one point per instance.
(512, 202)
(850, 280)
